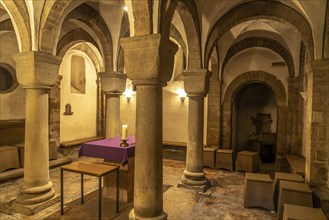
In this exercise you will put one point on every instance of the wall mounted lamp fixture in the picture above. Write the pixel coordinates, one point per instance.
(128, 93)
(182, 94)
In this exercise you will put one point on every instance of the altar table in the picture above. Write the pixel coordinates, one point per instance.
(109, 149)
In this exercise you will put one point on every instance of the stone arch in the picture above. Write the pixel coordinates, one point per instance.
(73, 37)
(174, 33)
(87, 49)
(53, 14)
(259, 9)
(6, 25)
(279, 90)
(92, 18)
(326, 34)
(19, 16)
(261, 42)
(140, 17)
(191, 26)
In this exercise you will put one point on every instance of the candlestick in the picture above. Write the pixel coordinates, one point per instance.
(124, 143)
(124, 132)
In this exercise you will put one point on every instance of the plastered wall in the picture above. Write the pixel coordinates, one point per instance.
(12, 104)
(82, 123)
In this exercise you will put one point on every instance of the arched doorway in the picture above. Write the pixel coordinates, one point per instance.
(255, 118)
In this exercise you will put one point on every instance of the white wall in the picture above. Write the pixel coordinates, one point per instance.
(82, 123)
(12, 104)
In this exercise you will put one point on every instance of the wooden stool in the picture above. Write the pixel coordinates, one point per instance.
(247, 161)
(209, 156)
(8, 158)
(224, 159)
(258, 191)
(278, 176)
(302, 213)
(294, 193)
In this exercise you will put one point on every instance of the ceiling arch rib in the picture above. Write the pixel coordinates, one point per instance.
(73, 37)
(255, 10)
(91, 17)
(18, 13)
(174, 33)
(261, 42)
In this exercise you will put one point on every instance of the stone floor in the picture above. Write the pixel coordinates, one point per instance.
(224, 200)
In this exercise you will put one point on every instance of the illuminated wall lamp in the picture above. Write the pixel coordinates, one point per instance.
(128, 94)
(182, 94)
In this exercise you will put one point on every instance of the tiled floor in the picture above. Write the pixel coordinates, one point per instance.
(224, 200)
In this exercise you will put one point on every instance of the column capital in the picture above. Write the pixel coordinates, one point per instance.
(196, 82)
(113, 82)
(37, 69)
(149, 58)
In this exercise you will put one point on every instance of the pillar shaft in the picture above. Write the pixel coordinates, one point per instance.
(36, 72)
(196, 84)
(148, 153)
(112, 115)
(149, 63)
(194, 155)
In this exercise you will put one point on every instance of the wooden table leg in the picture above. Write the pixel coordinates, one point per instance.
(62, 193)
(100, 198)
(82, 188)
(117, 206)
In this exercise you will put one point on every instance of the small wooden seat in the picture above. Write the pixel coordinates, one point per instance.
(209, 156)
(224, 159)
(297, 164)
(258, 191)
(302, 213)
(278, 176)
(79, 141)
(8, 158)
(247, 161)
(294, 193)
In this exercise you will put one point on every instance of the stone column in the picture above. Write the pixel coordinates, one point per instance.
(196, 85)
(113, 85)
(149, 63)
(316, 172)
(36, 72)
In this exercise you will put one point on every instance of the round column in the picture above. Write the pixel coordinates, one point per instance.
(36, 188)
(148, 195)
(112, 115)
(193, 174)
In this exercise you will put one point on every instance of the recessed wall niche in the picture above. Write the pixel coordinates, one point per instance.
(8, 80)
(78, 75)
(253, 103)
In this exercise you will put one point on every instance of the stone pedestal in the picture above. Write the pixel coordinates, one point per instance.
(196, 85)
(113, 85)
(149, 62)
(37, 72)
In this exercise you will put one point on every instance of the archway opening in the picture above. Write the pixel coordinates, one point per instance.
(255, 120)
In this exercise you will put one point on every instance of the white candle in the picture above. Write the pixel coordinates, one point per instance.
(124, 132)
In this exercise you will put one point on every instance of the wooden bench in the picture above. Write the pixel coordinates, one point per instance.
(296, 164)
(79, 141)
(174, 144)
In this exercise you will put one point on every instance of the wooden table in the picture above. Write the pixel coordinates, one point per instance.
(92, 169)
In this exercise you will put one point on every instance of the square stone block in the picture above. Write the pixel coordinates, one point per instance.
(278, 176)
(8, 158)
(258, 191)
(294, 193)
(224, 159)
(247, 161)
(209, 156)
(302, 213)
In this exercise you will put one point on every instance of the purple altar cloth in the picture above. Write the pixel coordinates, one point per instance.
(109, 149)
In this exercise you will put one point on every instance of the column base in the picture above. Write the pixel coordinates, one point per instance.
(133, 216)
(31, 209)
(195, 181)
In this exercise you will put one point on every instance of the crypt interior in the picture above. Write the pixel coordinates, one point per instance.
(224, 106)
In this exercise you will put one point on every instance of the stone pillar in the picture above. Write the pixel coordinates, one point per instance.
(196, 85)
(36, 72)
(316, 172)
(213, 120)
(113, 85)
(149, 63)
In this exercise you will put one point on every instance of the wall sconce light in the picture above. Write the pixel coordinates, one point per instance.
(182, 94)
(125, 8)
(128, 93)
